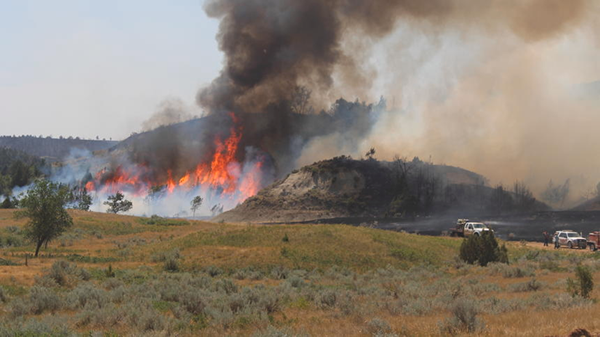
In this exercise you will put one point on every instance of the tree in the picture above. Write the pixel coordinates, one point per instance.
(44, 205)
(371, 153)
(117, 203)
(524, 200)
(556, 194)
(196, 203)
(300, 102)
(84, 200)
(483, 250)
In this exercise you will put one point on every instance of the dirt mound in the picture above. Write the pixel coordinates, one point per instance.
(343, 187)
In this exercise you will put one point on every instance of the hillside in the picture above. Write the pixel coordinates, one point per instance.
(588, 205)
(123, 275)
(18, 169)
(343, 187)
(53, 149)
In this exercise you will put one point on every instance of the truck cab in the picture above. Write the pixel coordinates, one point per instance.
(476, 228)
(464, 228)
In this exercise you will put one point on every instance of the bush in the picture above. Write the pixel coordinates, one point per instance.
(46, 326)
(378, 327)
(160, 221)
(42, 299)
(464, 319)
(63, 273)
(87, 296)
(326, 299)
(482, 249)
(213, 271)
(280, 273)
(584, 283)
(171, 265)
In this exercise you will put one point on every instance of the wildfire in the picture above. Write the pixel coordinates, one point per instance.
(222, 174)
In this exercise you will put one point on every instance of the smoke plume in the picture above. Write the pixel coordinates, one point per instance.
(170, 111)
(490, 86)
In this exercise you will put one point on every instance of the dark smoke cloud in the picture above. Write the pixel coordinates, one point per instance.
(271, 46)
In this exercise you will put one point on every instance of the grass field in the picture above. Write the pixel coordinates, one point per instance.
(121, 275)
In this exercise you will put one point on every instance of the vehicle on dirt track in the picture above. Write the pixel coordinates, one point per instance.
(464, 228)
(571, 239)
(593, 240)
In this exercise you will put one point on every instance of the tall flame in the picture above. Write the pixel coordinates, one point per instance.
(222, 174)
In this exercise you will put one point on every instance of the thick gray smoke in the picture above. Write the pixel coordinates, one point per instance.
(486, 85)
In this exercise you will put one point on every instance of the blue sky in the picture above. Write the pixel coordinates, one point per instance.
(87, 68)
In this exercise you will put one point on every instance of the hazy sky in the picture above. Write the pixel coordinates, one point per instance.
(99, 68)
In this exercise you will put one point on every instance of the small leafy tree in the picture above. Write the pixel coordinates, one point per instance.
(483, 250)
(117, 203)
(85, 200)
(196, 203)
(584, 283)
(44, 205)
(81, 199)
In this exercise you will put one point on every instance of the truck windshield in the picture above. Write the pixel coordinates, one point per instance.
(479, 225)
(573, 235)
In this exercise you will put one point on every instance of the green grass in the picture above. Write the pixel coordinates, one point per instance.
(117, 227)
(160, 221)
(314, 246)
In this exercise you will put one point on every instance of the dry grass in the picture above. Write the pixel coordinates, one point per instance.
(237, 246)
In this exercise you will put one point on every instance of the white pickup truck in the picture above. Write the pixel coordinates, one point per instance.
(464, 228)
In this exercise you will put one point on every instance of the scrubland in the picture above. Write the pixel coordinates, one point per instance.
(118, 275)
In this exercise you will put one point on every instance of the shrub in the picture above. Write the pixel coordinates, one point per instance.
(109, 272)
(87, 296)
(42, 299)
(584, 283)
(3, 296)
(213, 271)
(378, 327)
(326, 299)
(171, 265)
(482, 249)
(63, 273)
(45, 326)
(227, 286)
(269, 302)
(193, 302)
(19, 308)
(295, 281)
(280, 273)
(464, 319)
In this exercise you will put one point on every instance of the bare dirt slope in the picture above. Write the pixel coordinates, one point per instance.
(343, 187)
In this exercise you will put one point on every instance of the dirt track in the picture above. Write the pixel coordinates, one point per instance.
(540, 245)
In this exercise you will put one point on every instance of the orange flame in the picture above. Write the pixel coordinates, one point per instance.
(184, 179)
(89, 186)
(220, 173)
(250, 185)
(170, 182)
